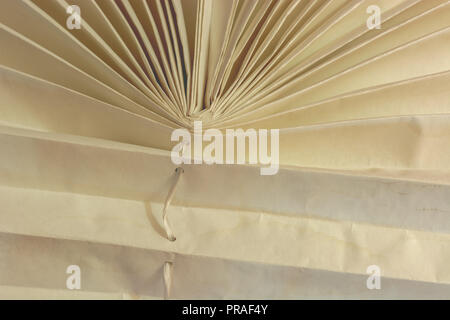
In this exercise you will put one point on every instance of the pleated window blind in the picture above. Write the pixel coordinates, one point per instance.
(92, 90)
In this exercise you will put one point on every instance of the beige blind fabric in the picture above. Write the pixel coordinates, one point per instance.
(86, 117)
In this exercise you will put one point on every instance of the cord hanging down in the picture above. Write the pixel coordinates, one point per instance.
(168, 270)
(169, 232)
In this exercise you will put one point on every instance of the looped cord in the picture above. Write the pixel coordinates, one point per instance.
(169, 232)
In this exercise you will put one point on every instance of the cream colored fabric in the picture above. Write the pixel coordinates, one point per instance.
(86, 117)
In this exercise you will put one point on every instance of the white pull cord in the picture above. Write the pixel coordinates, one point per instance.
(168, 267)
(169, 232)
